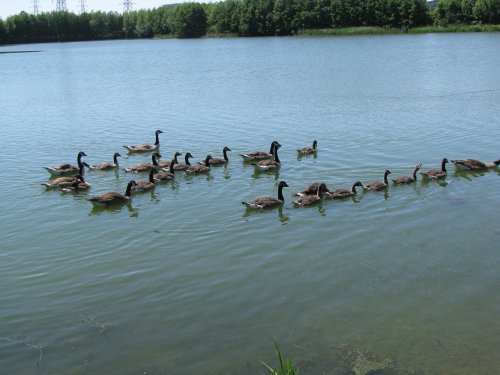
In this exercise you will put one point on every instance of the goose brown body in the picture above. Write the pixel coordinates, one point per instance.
(312, 189)
(113, 197)
(436, 173)
(218, 161)
(268, 202)
(145, 185)
(165, 175)
(200, 168)
(65, 181)
(308, 200)
(67, 169)
(309, 150)
(106, 166)
(142, 148)
(474, 165)
(77, 185)
(260, 155)
(265, 165)
(144, 167)
(344, 193)
(377, 185)
(408, 179)
(183, 166)
(166, 164)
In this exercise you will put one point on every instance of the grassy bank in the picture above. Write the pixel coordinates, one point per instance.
(389, 31)
(455, 29)
(369, 30)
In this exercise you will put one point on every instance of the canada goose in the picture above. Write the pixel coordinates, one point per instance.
(309, 150)
(62, 182)
(407, 179)
(260, 155)
(166, 164)
(185, 165)
(77, 185)
(112, 197)
(308, 200)
(200, 168)
(474, 165)
(145, 185)
(106, 166)
(146, 147)
(268, 202)
(165, 175)
(344, 193)
(145, 167)
(436, 173)
(266, 165)
(66, 169)
(376, 185)
(312, 189)
(218, 161)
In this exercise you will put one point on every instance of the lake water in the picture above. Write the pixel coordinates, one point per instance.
(185, 280)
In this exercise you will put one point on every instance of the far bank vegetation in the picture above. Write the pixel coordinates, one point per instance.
(245, 18)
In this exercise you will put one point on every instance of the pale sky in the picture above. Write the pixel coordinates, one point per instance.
(11, 7)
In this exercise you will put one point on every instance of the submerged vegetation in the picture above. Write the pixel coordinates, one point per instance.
(256, 18)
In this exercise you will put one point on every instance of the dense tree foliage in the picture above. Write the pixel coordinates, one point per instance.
(244, 18)
(189, 20)
(449, 12)
(3, 32)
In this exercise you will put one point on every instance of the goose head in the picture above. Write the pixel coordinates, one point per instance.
(386, 173)
(207, 160)
(226, 149)
(274, 144)
(355, 185)
(130, 185)
(322, 189)
(315, 144)
(443, 164)
(81, 153)
(158, 132)
(283, 184)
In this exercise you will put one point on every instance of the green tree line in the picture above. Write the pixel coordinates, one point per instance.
(244, 18)
(451, 12)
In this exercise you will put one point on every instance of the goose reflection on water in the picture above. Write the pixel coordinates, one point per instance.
(114, 209)
(283, 218)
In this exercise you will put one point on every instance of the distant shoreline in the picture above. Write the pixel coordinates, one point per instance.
(348, 31)
(368, 30)
(8, 52)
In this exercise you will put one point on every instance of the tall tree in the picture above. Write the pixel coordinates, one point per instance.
(3, 33)
(189, 20)
(487, 11)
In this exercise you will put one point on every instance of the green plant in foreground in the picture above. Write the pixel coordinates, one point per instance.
(286, 367)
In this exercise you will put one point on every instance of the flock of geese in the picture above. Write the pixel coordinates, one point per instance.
(71, 177)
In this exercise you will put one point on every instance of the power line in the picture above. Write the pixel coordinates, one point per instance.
(83, 5)
(35, 7)
(127, 6)
(61, 6)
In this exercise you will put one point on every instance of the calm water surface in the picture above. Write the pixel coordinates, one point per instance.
(184, 280)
